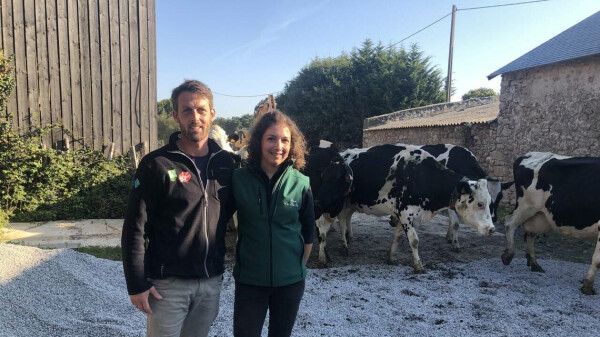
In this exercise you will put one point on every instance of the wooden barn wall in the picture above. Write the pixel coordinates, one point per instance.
(88, 65)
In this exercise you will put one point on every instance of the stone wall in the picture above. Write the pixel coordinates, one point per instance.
(553, 108)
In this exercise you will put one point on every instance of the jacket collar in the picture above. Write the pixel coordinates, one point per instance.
(213, 147)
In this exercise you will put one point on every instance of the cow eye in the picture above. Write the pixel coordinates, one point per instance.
(480, 205)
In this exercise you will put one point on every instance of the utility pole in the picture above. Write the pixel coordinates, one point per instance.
(449, 84)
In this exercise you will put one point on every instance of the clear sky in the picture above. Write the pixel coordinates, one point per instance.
(252, 48)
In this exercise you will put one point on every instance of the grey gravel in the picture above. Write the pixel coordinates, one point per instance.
(65, 293)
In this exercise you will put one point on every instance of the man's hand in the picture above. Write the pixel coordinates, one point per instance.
(140, 300)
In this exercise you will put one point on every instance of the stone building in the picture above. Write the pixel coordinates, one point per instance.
(549, 101)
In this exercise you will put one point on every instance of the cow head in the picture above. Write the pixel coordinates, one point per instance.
(495, 189)
(472, 203)
(330, 180)
(336, 183)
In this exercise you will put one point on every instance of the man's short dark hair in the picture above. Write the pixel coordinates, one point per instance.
(192, 86)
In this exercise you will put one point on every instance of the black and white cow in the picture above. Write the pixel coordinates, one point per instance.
(462, 161)
(559, 194)
(330, 179)
(409, 184)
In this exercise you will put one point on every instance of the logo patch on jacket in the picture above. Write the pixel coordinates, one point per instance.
(172, 175)
(184, 177)
(291, 203)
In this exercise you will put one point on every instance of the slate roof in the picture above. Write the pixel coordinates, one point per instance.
(454, 116)
(583, 39)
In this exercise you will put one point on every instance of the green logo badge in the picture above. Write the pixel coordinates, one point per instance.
(172, 175)
(136, 183)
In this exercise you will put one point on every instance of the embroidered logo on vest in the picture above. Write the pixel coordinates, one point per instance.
(290, 203)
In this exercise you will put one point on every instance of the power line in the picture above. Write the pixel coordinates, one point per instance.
(422, 29)
(271, 93)
(465, 9)
(492, 6)
(411, 35)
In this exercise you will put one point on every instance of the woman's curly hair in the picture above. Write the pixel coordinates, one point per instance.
(297, 146)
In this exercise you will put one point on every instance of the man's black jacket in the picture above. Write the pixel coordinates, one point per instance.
(174, 226)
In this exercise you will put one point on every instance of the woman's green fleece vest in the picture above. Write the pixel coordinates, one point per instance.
(270, 246)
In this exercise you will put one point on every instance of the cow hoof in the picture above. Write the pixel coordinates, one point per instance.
(419, 270)
(322, 264)
(587, 288)
(393, 262)
(345, 251)
(507, 257)
(537, 268)
(456, 248)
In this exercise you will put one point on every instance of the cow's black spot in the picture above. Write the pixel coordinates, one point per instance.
(523, 177)
(575, 190)
(383, 201)
(412, 153)
(462, 161)
(471, 199)
(435, 150)
(371, 168)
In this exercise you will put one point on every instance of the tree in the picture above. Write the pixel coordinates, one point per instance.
(164, 107)
(234, 123)
(480, 92)
(330, 97)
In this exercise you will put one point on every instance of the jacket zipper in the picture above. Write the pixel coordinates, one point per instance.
(204, 203)
(260, 202)
(274, 202)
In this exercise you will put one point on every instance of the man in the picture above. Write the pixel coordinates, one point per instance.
(174, 230)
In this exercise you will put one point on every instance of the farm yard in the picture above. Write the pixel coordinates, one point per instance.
(469, 293)
(78, 87)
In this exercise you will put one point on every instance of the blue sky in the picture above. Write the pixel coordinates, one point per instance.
(248, 48)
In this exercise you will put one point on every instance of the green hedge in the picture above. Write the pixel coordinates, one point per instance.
(38, 184)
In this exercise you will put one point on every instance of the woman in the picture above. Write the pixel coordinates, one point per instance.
(275, 228)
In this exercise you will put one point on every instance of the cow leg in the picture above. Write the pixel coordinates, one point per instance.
(531, 259)
(232, 225)
(413, 241)
(345, 218)
(349, 231)
(588, 282)
(452, 234)
(516, 219)
(397, 236)
(323, 226)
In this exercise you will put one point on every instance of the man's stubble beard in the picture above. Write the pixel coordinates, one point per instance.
(196, 137)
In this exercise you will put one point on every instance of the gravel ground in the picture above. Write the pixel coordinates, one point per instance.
(65, 293)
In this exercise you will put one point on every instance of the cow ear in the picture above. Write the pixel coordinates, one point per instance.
(463, 187)
(348, 176)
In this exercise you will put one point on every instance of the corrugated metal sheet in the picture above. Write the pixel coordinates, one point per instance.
(583, 39)
(477, 114)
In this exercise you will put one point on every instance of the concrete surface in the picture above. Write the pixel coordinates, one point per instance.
(65, 234)
(107, 232)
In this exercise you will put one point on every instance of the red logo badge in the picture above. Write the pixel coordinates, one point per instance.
(184, 177)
